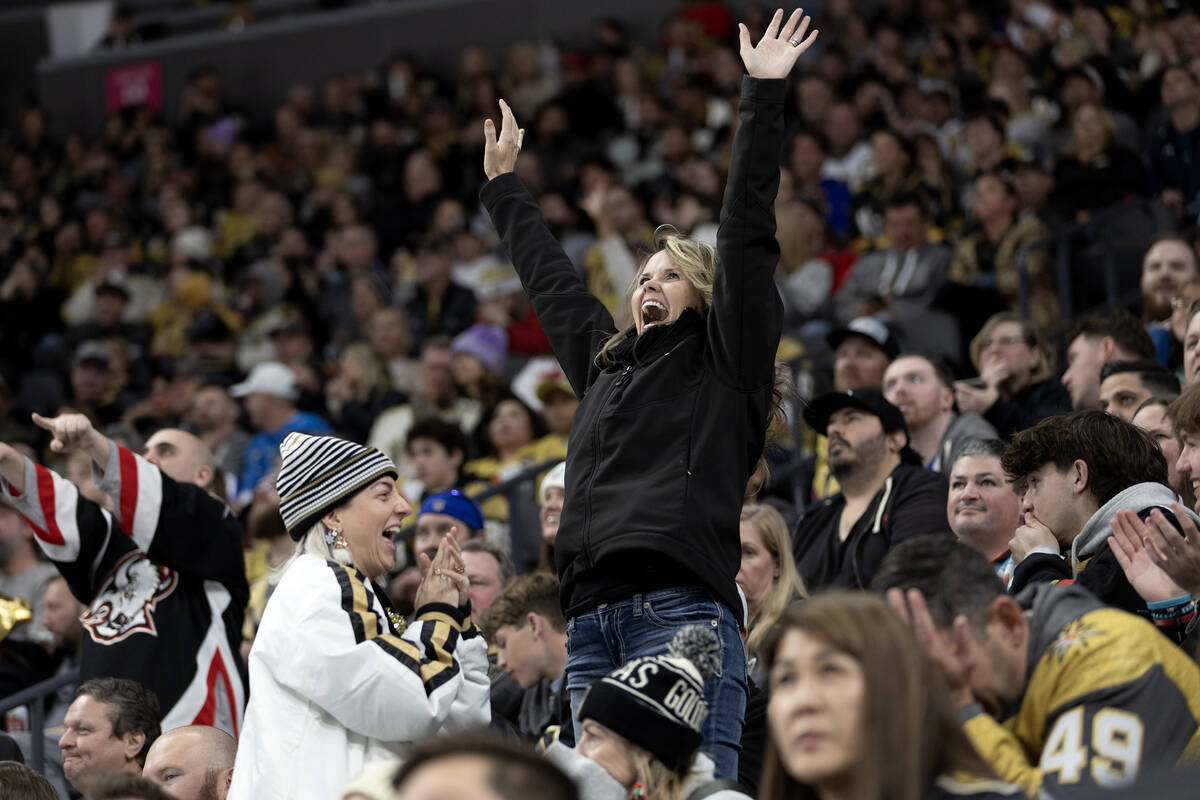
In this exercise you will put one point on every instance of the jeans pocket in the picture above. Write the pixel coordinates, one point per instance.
(674, 610)
(671, 614)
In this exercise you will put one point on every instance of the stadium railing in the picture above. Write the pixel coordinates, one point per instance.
(1096, 263)
(525, 527)
(35, 699)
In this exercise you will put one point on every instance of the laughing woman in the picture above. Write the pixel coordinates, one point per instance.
(674, 409)
(335, 679)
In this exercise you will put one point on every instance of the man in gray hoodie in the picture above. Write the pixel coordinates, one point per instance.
(1074, 472)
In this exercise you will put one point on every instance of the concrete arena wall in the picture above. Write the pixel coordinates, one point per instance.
(259, 63)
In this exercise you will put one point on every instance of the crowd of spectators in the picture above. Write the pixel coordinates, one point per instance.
(180, 297)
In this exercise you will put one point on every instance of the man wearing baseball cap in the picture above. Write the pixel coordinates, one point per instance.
(270, 393)
(886, 495)
(558, 402)
(862, 350)
(441, 512)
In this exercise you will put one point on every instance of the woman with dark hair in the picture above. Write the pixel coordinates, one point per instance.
(894, 158)
(512, 437)
(1154, 417)
(858, 711)
(674, 408)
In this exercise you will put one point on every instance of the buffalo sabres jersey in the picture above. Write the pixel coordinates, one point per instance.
(162, 578)
(1108, 700)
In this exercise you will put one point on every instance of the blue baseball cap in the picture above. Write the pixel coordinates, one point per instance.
(454, 504)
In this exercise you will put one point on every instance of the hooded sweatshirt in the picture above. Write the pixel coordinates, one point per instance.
(1142, 498)
(1090, 561)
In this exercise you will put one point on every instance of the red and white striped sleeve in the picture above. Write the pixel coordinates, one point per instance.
(50, 504)
(136, 488)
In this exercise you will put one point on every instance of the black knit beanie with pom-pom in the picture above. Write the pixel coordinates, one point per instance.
(657, 702)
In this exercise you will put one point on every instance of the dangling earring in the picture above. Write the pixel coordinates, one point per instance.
(338, 546)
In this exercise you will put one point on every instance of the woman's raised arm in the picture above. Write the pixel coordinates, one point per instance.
(575, 322)
(746, 319)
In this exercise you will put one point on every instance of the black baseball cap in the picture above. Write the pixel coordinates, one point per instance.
(870, 400)
(871, 329)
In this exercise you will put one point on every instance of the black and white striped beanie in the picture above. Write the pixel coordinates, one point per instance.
(321, 472)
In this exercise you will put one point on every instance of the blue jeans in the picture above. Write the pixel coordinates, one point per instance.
(600, 640)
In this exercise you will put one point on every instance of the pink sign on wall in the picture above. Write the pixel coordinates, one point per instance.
(130, 85)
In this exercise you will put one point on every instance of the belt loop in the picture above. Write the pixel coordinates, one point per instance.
(638, 604)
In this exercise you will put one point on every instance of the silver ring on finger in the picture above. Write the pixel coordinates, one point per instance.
(793, 43)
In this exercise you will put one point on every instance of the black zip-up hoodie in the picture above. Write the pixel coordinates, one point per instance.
(911, 502)
(666, 437)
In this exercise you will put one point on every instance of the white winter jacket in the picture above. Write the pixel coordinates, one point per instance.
(333, 686)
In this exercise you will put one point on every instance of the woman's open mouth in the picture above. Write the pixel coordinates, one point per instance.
(653, 312)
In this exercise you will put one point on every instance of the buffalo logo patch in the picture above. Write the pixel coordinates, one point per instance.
(126, 601)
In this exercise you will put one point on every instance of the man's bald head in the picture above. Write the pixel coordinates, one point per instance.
(181, 456)
(194, 762)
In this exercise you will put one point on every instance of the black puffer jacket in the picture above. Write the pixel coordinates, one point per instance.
(665, 438)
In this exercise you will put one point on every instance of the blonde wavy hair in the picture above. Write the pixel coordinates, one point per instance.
(660, 781)
(788, 586)
(312, 542)
(698, 263)
(1029, 334)
(696, 260)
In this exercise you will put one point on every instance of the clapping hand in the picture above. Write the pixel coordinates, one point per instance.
(1129, 545)
(1177, 555)
(445, 578)
(777, 51)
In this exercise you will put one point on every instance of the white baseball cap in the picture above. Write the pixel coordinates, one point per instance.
(556, 478)
(269, 377)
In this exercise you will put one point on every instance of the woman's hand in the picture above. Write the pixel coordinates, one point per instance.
(1128, 544)
(995, 372)
(1178, 556)
(500, 154)
(973, 400)
(445, 578)
(779, 48)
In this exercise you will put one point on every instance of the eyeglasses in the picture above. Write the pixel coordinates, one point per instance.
(1001, 341)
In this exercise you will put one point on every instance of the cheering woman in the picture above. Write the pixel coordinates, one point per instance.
(674, 409)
